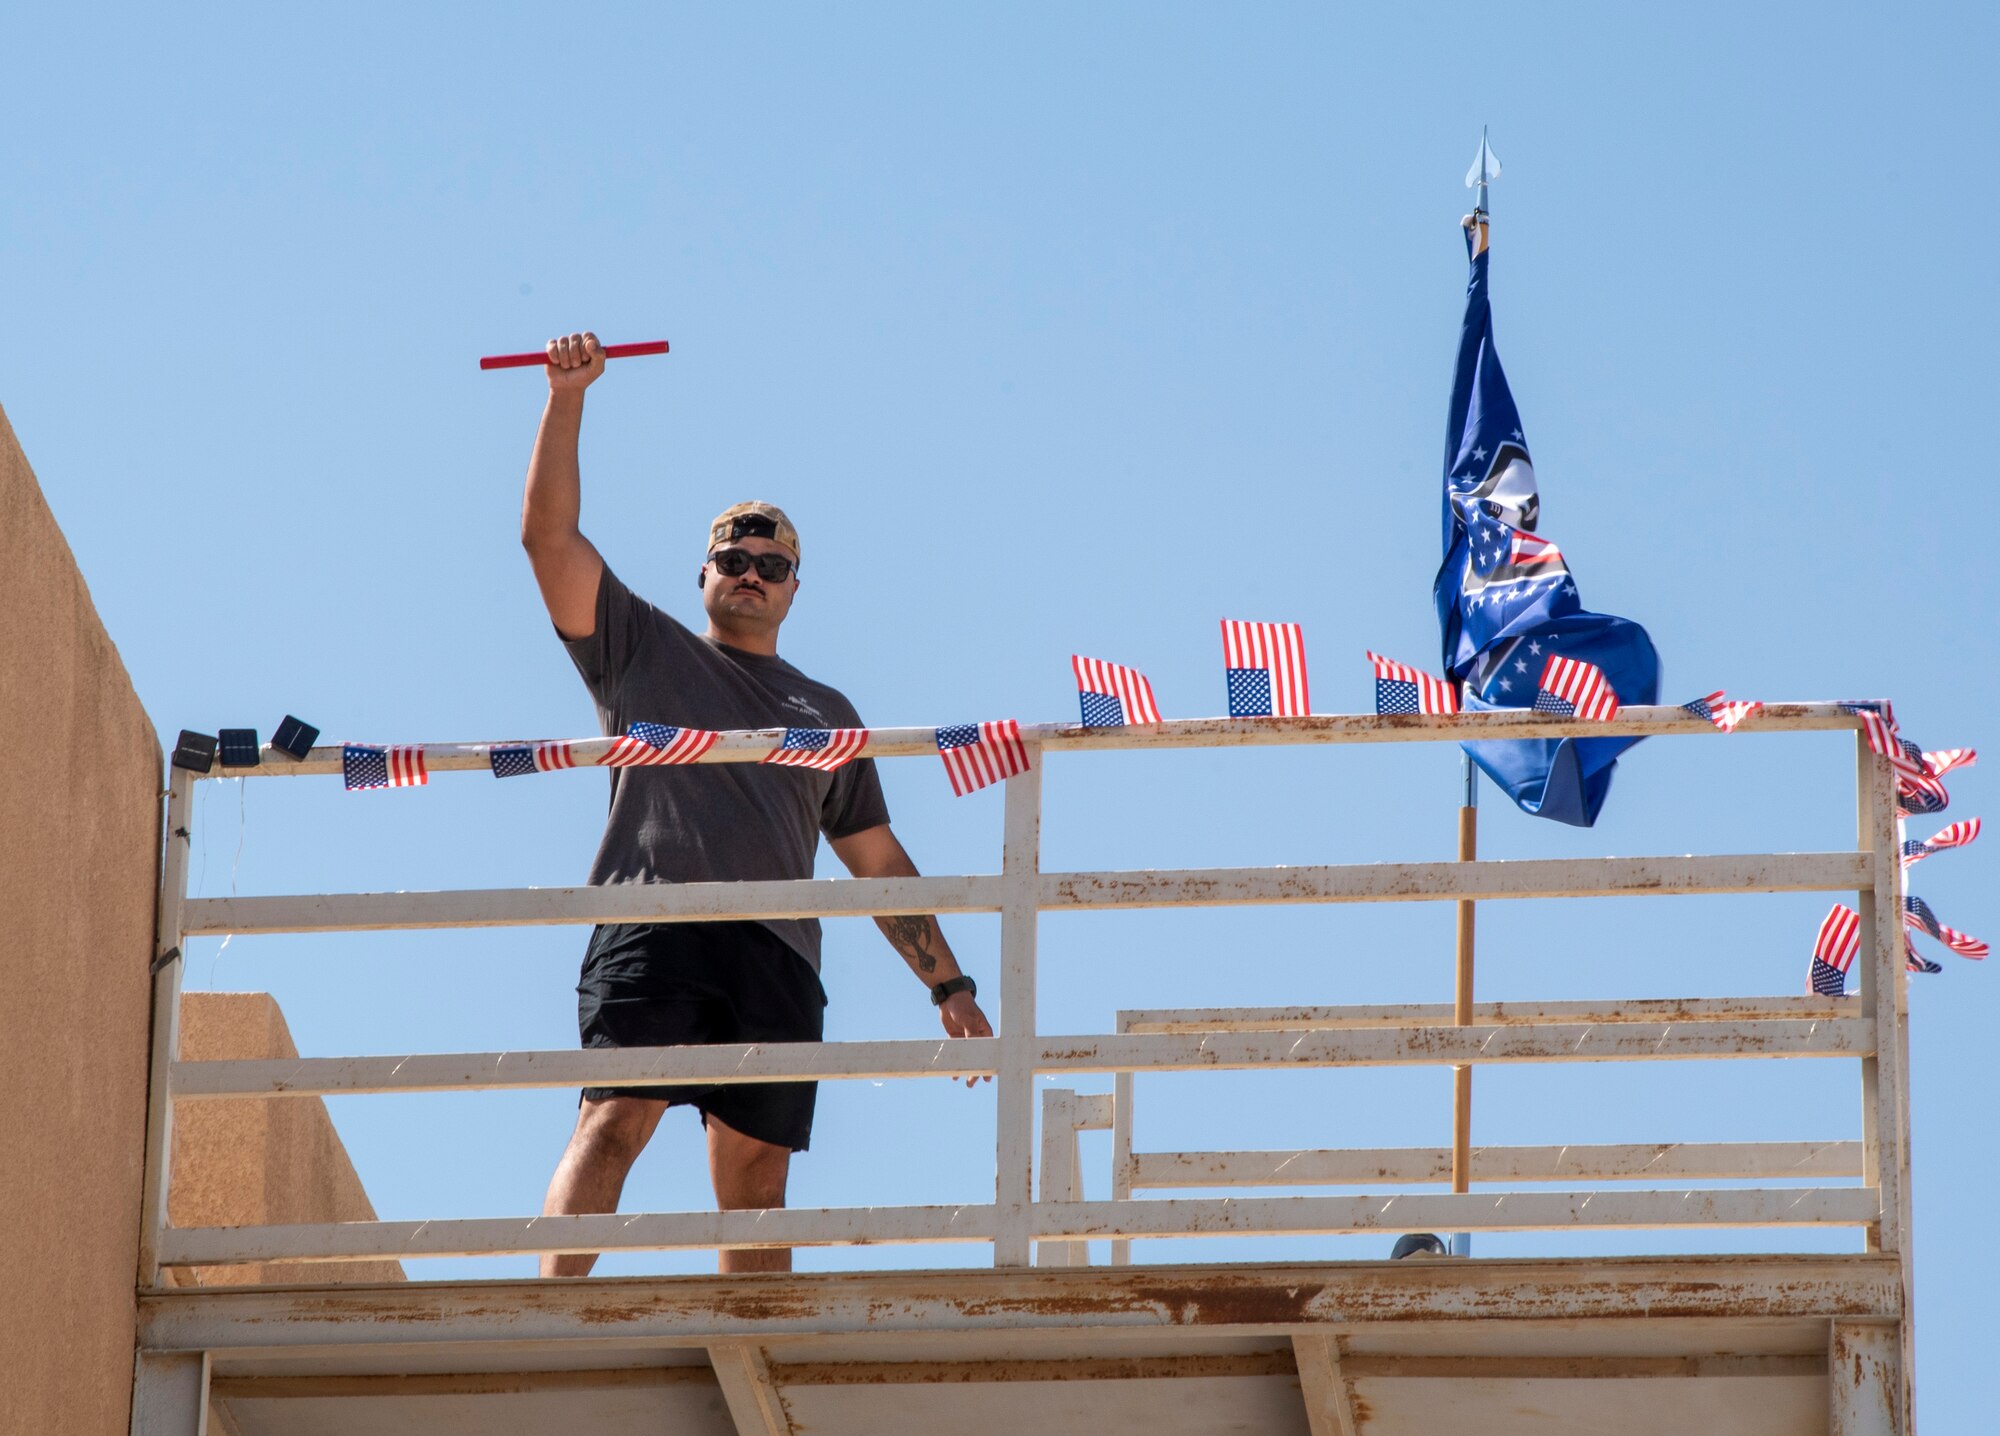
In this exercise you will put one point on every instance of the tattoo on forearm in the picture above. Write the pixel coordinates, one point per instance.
(912, 937)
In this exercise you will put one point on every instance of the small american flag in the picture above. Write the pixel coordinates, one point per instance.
(1920, 797)
(1955, 835)
(514, 760)
(1917, 914)
(1939, 763)
(822, 748)
(1723, 715)
(1400, 688)
(976, 754)
(1915, 961)
(1575, 689)
(364, 766)
(647, 745)
(1833, 953)
(1878, 721)
(1264, 665)
(1112, 695)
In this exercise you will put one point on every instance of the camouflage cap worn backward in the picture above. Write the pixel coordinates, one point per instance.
(753, 520)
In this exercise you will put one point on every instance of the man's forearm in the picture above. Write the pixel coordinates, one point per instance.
(921, 942)
(552, 502)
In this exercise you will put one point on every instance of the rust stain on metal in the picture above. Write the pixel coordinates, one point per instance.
(1276, 1362)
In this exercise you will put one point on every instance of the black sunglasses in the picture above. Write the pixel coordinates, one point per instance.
(735, 562)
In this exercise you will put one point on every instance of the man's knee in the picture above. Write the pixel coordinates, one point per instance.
(749, 1174)
(616, 1129)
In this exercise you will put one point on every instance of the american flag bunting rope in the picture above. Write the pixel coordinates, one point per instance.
(1724, 715)
(1572, 688)
(515, 760)
(650, 745)
(1955, 835)
(976, 754)
(1917, 914)
(364, 765)
(822, 748)
(1264, 669)
(1400, 688)
(1112, 695)
(1878, 722)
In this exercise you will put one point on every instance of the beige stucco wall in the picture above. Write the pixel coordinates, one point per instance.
(80, 789)
(254, 1163)
(80, 775)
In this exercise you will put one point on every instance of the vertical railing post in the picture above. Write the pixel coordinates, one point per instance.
(1059, 1167)
(1885, 1003)
(1121, 1152)
(1020, 869)
(1882, 978)
(168, 962)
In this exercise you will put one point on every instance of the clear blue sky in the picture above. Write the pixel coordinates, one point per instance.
(1058, 329)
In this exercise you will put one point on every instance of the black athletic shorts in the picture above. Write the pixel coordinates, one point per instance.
(674, 983)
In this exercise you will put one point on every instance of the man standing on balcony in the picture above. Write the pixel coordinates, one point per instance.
(661, 984)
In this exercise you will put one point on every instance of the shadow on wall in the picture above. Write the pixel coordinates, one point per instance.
(241, 1163)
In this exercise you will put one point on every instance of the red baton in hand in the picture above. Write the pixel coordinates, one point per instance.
(611, 351)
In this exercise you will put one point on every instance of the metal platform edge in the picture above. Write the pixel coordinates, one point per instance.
(1269, 1298)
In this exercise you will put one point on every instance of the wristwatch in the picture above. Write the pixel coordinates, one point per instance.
(950, 985)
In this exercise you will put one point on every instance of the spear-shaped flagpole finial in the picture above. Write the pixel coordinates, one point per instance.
(1485, 168)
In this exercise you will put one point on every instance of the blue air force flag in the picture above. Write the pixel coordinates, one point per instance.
(1506, 600)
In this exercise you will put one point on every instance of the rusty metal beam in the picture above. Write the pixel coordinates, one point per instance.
(1581, 1368)
(1329, 1401)
(1277, 1298)
(1867, 1393)
(744, 1374)
(170, 1393)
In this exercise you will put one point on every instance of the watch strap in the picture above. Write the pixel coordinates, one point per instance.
(952, 985)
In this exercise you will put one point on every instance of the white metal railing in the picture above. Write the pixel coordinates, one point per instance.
(1864, 1027)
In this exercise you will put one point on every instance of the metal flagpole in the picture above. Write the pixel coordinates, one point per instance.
(1484, 170)
(1461, 1093)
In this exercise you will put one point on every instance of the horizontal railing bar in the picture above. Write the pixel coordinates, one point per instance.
(866, 897)
(1419, 1046)
(706, 1065)
(615, 903)
(730, 1064)
(1412, 1166)
(498, 1236)
(1179, 1217)
(1434, 882)
(751, 745)
(1458, 1212)
(1407, 1014)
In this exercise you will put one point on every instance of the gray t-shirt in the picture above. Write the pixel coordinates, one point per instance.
(715, 822)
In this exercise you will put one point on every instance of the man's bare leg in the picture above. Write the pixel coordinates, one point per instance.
(749, 1175)
(610, 1134)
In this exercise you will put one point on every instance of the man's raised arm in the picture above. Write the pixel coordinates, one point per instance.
(566, 564)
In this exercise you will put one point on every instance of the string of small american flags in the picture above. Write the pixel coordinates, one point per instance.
(1264, 676)
(1571, 688)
